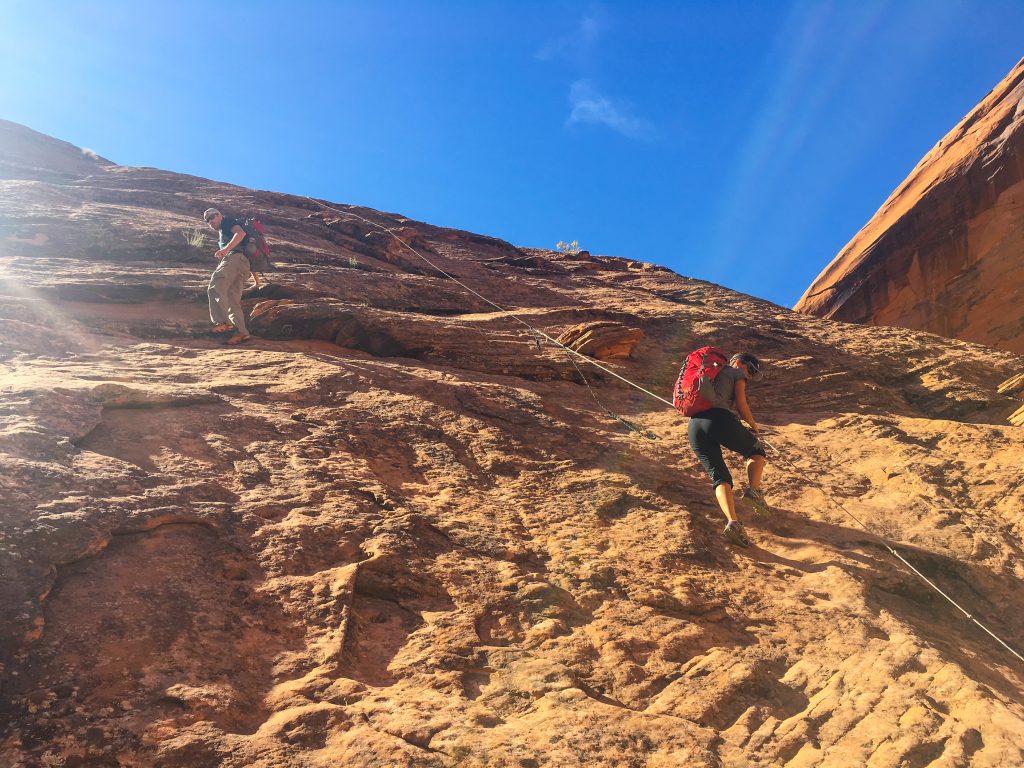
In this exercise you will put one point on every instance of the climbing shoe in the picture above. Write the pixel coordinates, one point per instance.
(735, 534)
(755, 498)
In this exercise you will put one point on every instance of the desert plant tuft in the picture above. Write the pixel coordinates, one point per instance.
(195, 237)
(572, 249)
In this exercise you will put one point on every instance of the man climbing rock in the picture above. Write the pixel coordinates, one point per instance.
(229, 278)
(717, 427)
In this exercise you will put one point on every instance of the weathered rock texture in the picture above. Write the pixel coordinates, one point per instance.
(602, 340)
(393, 531)
(943, 254)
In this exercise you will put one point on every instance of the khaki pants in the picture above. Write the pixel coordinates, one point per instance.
(225, 290)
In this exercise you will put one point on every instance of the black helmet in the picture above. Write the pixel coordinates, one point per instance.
(752, 363)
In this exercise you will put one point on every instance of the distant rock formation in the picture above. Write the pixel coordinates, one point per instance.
(395, 531)
(944, 253)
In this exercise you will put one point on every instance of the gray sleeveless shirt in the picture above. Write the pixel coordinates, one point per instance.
(721, 392)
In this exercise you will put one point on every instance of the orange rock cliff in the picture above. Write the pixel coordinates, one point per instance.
(943, 254)
(398, 530)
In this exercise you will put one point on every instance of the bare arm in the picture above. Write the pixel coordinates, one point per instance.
(237, 236)
(743, 407)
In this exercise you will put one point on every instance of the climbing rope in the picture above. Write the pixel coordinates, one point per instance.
(537, 332)
(539, 335)
(628, 424)
(886, 544)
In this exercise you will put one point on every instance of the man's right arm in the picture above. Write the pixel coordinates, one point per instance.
(238, 235)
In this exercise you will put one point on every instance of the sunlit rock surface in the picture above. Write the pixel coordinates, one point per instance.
(943, 254)
(395, 530)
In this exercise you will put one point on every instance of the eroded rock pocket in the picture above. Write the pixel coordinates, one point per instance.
(162, 629)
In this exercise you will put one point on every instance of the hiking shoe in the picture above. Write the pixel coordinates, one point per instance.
(755, 498)
(239, 338)
(735, 534)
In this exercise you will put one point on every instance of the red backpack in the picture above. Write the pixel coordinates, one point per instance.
(257, 250)
(703, 364)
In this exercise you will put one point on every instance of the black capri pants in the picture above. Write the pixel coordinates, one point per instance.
(713, 429)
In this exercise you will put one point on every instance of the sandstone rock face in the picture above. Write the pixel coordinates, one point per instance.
(604, 340)
(395, 531)
(27, 154)
(943, 254)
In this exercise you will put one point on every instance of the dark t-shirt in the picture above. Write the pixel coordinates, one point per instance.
(226, 225)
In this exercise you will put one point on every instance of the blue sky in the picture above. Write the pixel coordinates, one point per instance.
(739, 142)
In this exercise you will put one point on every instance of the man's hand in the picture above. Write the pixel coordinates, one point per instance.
(221, 253)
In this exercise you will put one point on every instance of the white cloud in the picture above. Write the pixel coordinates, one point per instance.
(581, 49)
(580, 45)
(589, 106)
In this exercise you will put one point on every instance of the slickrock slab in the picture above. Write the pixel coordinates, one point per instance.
(393, 531)
(942, 254)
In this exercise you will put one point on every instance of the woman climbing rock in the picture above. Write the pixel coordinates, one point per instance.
(707, 391)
